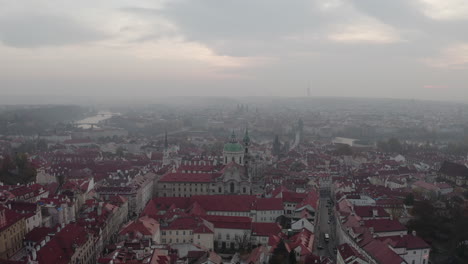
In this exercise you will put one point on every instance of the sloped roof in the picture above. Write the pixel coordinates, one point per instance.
(410, 242)
(262, 204)
(382, 253)
(384, 225)
(230, 222)
(265, 229)
(453, 169)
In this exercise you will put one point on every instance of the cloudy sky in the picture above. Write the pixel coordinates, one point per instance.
(360, 48)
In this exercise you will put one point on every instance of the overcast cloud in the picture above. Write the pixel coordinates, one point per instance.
(364, 48)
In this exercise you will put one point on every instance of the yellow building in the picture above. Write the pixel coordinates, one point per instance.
(12, 231)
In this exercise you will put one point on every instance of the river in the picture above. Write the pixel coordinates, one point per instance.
(94, 120)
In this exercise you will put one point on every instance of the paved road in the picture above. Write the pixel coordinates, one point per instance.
(324, 227)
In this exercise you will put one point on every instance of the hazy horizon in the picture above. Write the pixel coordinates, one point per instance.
(64, 50)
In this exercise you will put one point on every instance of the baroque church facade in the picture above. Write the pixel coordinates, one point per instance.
(234, 178)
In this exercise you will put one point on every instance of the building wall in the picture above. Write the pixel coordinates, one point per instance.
(229, 213)
(86, 253)
(11, 239)
(265, 216)
(205, 240)
(237, 157)
(262, 240)
(303, 223)
(228, 236)
(33, 221)
(176, 236)
(183, 189)
(419, 256)
(392, 233)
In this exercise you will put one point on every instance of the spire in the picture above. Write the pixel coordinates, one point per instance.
(246, 136)
(166, 145)
(233, 137)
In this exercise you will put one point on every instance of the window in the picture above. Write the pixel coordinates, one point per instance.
(413, 262)
(198, 236)
(227, 237)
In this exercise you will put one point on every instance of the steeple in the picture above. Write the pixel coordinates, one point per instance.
(233, 137)
(246, 139)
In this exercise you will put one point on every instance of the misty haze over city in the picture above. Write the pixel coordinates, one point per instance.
(233, 132)
(410, 49)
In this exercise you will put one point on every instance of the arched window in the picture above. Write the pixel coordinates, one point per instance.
(232, 187)
(240, 160)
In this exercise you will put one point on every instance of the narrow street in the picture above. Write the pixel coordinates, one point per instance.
(325, 225)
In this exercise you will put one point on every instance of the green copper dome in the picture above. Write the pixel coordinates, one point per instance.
(233, 147)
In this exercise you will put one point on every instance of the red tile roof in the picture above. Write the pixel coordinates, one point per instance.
(265, 229)
(410, 242)
(62, 245)
(268, 204)
(348, 253)
(384, 225)
(382, 253)
(229, 222)
(11, 217)
(226, 203)
(189, 177)
(38, 234)
(368, 211)
(293, 197)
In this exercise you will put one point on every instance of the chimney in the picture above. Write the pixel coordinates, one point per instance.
(374, 213)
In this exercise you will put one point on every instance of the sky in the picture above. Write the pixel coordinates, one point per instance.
(412, 49)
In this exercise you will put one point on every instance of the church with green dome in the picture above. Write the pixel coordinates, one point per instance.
(234, 151)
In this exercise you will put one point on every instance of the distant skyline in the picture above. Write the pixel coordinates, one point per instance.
(155, 48)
